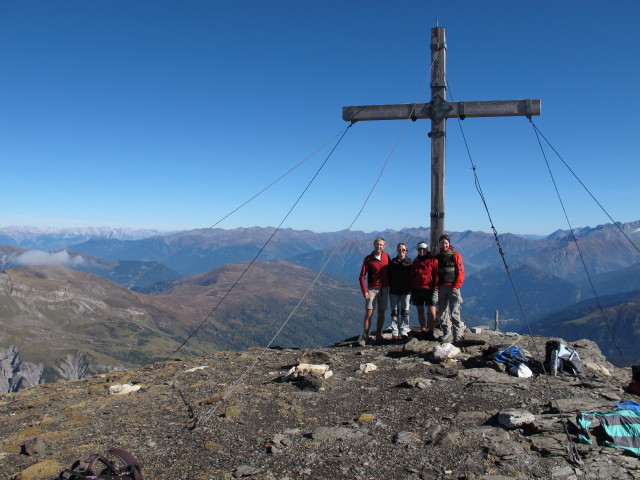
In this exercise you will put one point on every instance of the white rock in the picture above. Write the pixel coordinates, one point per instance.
(123, 389)
(446, 350)
(515, 418)
(367, 367)
(194, 369)
(308, 369)
(597, 368)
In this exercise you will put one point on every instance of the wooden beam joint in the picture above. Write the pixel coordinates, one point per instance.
(438, 109)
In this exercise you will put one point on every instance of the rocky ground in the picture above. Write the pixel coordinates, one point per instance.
(388, 411)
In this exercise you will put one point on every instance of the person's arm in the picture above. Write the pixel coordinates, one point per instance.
(459, 272)
(363, 279)
(435, 283)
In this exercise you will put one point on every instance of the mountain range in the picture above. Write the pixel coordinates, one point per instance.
(54, 238)
(174, 283)
(52, 312)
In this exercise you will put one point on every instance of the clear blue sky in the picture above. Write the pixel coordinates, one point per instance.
(169, 114)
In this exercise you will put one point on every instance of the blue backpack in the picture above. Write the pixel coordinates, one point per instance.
(512, 356)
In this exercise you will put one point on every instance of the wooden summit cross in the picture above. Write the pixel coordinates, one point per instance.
(438, 110)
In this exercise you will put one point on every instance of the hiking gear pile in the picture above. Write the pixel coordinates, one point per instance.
(97, 467)
(561, 359)
(514, 358)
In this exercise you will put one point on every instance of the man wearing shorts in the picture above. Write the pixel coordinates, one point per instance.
(374, 283)
(424, 284)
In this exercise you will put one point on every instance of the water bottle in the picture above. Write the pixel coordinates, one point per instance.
(554, 362)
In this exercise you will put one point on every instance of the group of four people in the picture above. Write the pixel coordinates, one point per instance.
(427, 281)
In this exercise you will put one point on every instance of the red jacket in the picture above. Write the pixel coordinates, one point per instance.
(424, 273)
(376, 271)
(450, 268)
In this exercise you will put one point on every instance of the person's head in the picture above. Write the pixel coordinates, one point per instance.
(445, 242)
(423, 248)
(402, 250)
(379, 244)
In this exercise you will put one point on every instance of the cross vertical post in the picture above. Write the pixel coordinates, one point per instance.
(438, 110)
(438, 133)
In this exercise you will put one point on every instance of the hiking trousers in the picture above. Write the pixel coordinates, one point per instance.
(399, 310)
(449, 306)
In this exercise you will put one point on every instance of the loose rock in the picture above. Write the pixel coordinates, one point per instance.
(515, 418)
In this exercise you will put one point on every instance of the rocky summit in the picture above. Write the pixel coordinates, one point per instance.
(387, 411)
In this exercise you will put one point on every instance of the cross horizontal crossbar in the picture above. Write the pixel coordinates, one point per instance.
(498, 108)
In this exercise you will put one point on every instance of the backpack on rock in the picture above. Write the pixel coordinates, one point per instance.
(561, 359)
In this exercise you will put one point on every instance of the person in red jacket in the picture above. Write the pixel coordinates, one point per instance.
(450, 278)
(424, 284)
(374, 283)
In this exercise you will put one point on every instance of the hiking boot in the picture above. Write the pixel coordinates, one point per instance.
(431, 337)
(379, 338)
(362, 339)
(446, 334)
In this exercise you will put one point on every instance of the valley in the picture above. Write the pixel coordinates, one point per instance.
(123, 302)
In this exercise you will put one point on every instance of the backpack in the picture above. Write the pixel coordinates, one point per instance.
(97, 467)
(509, 355)
(634, 386)
(628, 405)
(561, 359)
(513, 356)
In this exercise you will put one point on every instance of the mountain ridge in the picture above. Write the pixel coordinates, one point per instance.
(62, 311)
(543, 274)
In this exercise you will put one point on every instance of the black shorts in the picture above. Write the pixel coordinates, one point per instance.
(422, 297)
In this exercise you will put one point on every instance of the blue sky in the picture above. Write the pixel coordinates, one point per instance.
(169, 114)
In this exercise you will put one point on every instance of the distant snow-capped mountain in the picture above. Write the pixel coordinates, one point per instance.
(48, 238)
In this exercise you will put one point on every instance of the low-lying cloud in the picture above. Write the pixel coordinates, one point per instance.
(37, 257)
